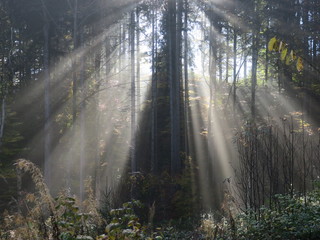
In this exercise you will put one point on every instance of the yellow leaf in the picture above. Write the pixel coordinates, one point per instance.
(288, 60)
(271, 43)
(283, 54)
(299, 64)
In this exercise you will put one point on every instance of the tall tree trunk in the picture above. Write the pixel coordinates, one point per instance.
(47, 107)
(154, 87)
(212, 102)
(234, 69)
(220, 55)
(82, 124)
(138, 61)
(186, 79)
(3, 98)
(74, 84)
(2, 117)
(244, 46)
(267, 55)
(97, 179)
(178, 80)
(74, 64)
(174, 82)
(228, 55)
(97, 75)
(133, 93)
(254, 73)
(213, 79)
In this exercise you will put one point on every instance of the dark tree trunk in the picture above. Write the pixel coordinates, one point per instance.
(174, 41)
(234, 70)
(186, 79)
(138, 61)
(154, 94)
(82, 88)
(133, 93)
(47, 107)
(74, 65)
(254, 74)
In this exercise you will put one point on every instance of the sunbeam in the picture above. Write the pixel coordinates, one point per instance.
(140, 119)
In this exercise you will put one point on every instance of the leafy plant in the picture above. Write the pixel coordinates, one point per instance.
(125, 223)
(73, 224)
(287, 55)
(289, 218)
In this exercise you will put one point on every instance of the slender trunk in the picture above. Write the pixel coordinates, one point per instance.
(178, 81)
(3, 104)
(154, 127)
(220, 56)
(212, 75)
(292, 158)
(120, 50)
(212, 101)
(74, 73)
(279, 71)
(82, 125)
(245, 59)
(267, 58)
(227, 52)
(74, 84)
(97, 66)
(234, 70)
(47, 107)
(133, 92)
(2, 118)
(138, 61)
(254, 74)
(186, 80)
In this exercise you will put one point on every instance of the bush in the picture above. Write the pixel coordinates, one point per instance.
(125, 223)
(289, 218)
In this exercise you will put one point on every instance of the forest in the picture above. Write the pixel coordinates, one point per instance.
(159, 119)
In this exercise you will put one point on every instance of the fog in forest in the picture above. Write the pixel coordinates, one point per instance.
(122, 119)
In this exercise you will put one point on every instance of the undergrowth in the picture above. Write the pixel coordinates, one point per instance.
(40, 216)
(290, 218)
(64, 218)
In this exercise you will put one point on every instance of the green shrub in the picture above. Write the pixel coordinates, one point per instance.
(289, 218)
(125, 223)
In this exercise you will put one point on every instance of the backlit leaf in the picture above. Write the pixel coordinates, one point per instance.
(271, 43)
(288, 60)
(283, 54)
(299, 64)
(293, 55)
